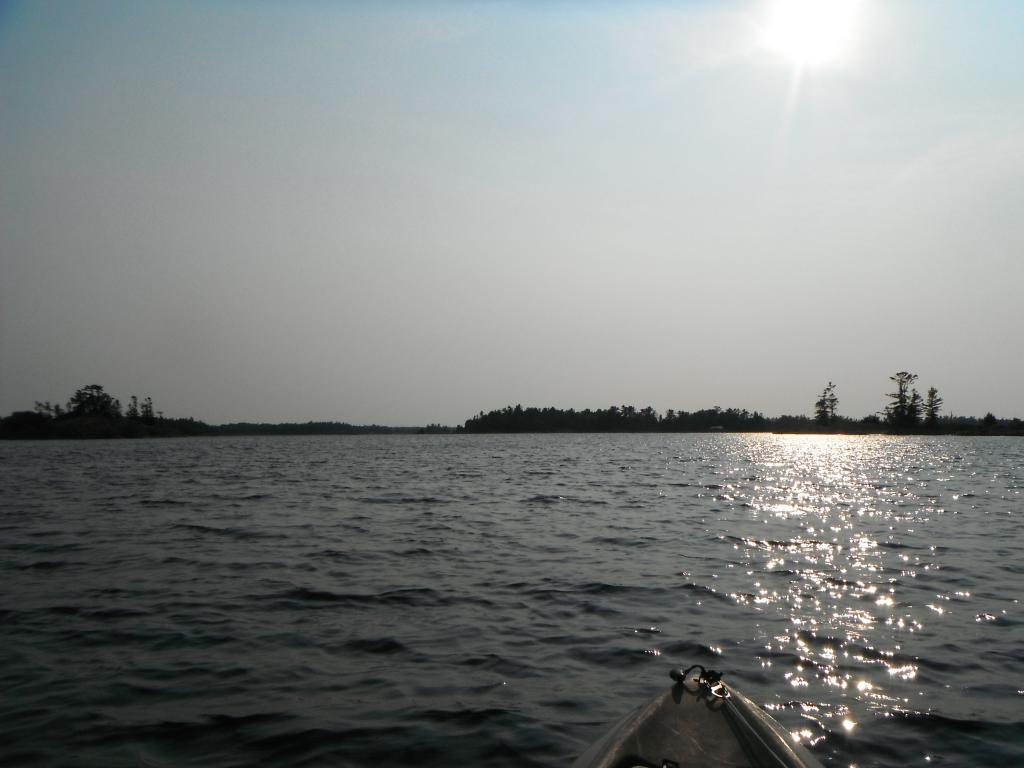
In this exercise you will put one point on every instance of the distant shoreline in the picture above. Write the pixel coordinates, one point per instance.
(93, 414)
(172, 428)
(26, 426)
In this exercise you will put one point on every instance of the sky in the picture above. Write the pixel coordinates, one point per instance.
(408, 212)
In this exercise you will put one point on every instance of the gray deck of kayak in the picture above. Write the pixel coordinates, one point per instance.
(686, 727)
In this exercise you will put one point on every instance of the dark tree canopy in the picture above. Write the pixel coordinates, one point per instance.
(932, 406)
(91, 400)
(92, 412)
(825, 406)
(904, 409)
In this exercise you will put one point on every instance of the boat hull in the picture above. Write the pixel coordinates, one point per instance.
(689, 726)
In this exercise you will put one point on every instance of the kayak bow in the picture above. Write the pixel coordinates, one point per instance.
(700, 722)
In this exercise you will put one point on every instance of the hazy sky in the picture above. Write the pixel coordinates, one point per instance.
(405, 213)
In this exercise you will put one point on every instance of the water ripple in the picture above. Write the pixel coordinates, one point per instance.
(459, 600)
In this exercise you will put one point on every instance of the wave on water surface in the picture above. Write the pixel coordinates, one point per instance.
(498, 600)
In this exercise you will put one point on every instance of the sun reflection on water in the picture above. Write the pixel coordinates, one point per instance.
(836, 565)
(851, 560)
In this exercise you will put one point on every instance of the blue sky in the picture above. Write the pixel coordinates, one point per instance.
(409, 212)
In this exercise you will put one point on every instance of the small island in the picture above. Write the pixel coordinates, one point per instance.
(907, 412)
(93, 413)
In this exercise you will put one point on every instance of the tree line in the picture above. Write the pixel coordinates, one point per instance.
(906, 411)
(92, 412)
(615, 418)
(92, 400)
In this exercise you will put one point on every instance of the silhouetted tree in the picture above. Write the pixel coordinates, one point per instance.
(932, 405)
(914, 408)
(133, 408)
(990, 420)
(91, 400)
(49, 410)
(900, 411)
(825, 407)
(147, 411)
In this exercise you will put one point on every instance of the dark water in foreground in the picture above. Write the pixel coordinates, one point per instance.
(461, 600)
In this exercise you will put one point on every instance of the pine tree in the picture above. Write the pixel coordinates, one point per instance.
(914, 407)
(826, 404)
(932, 404)
(898, 412)
(91, 400)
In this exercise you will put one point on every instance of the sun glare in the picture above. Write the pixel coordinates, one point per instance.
(811, 33)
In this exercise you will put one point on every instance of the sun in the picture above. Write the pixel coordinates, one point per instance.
(811, 33)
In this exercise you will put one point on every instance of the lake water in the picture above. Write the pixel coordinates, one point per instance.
(498, 600)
